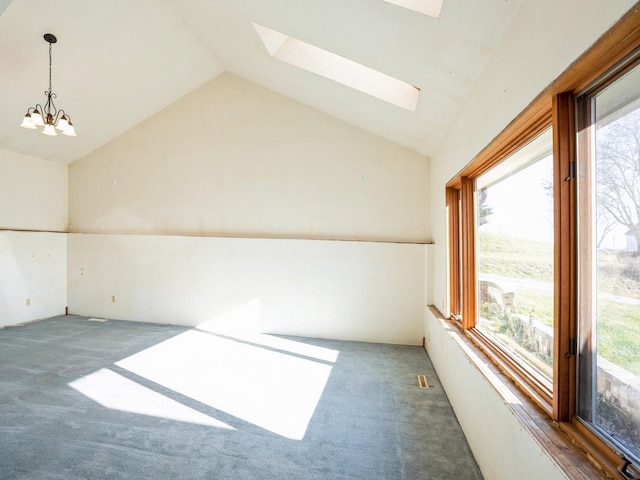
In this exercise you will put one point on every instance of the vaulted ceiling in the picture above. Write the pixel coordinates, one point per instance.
(118, 62)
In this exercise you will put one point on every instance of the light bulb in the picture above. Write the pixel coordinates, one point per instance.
(36, 119)
(62, 124)
(49, 130)
(27, 122)
(70, 131)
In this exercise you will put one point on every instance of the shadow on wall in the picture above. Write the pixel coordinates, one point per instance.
(3, 5)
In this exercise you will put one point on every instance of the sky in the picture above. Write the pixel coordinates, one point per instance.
(521, 206)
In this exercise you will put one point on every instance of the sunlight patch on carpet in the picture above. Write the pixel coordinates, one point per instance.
(116, 392)
(272, 390)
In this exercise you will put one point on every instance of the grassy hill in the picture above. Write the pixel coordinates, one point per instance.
(529, 266)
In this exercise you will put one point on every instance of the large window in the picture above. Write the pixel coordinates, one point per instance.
(544, 251)
(514, 258)
(609, 262)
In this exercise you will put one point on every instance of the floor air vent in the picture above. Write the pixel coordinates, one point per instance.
(422, 381)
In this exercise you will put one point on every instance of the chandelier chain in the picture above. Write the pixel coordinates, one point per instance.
(50, 67)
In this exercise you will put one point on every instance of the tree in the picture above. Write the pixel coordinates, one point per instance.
(618, 171)
(484, 210)
(604, 227)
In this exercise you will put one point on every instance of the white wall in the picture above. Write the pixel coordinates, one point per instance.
(275, 179)
(333, 289)
(235, 159)
(501, 445)
(33, 193)
(33, 263)
(545, 37)
(33, 276)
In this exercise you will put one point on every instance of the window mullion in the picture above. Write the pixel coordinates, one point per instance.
(468, 251)
(453, 219)
(564, 139)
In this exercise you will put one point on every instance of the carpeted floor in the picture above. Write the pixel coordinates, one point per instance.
(85, 399)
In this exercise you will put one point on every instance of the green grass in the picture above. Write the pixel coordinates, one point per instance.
(613, 277)
(515, 258)
(536, 305)
(618, 330)
(618, 334)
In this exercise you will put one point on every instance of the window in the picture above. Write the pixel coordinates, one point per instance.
(426, 7)
(544, 250)
(514, 256)
(338, 68)
(609, 262)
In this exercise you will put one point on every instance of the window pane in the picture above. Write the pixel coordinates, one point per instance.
(609, 262)
(514, 215)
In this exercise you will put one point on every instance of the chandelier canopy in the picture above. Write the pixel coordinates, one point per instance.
(49, 116)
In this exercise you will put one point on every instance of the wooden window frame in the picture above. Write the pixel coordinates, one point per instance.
(556, 107)
(533, 385)
(454, 293)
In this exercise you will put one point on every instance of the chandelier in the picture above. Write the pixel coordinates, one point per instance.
(49, 116)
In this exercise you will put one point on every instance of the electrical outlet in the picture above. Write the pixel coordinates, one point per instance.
(113, 299)
(28, 302)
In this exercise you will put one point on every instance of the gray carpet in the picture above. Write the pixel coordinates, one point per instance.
(123, 400)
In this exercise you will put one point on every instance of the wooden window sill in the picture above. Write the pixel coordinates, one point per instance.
(561, 446)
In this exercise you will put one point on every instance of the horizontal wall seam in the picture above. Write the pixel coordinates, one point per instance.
(260, 237)
(239, 237)
(29, 230)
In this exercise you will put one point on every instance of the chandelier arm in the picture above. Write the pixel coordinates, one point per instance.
(50, 107)
(38, 108)
(57, 116)
(62, 113)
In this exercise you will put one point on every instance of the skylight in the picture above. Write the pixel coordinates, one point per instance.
(426, 7)
(340, 69)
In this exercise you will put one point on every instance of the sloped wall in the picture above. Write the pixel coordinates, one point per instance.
(545, 37)
(235, 159)
(235, 193)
